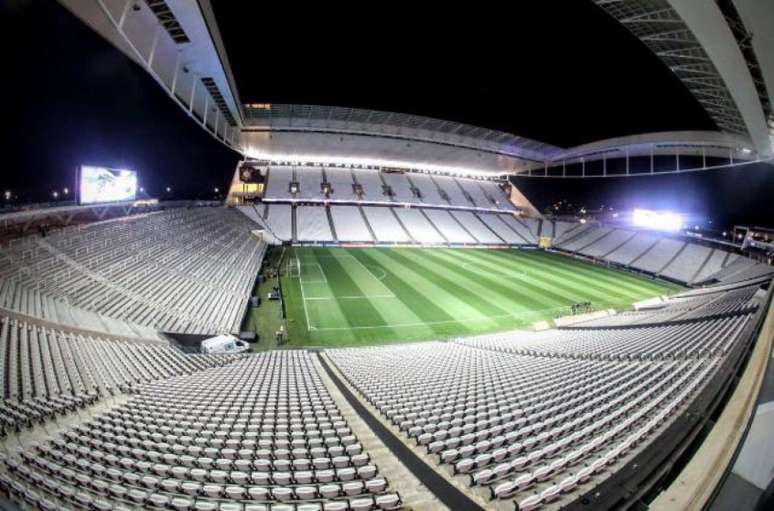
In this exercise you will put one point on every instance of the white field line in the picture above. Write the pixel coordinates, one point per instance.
(379, 280)
(357, 297)
(306, 281)
(303, 298)
(518, 315)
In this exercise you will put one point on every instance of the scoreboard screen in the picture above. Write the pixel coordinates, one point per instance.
(101, 184)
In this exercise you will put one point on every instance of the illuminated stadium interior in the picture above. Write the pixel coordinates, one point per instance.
(273, 258)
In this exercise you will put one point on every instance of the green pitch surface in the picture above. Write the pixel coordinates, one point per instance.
(348, 296)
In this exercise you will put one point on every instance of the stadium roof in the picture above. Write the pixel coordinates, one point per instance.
(709, 46)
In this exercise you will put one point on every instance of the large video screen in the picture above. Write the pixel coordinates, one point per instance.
(100, 184)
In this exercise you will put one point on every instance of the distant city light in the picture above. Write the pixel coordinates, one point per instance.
(615, 215)
(695, 227)
(55, 194)
(217, 190)
(169, 189)
(583, 220)
(739, 236)
(725, 234)
(142, 189)
(659, 220)
(7, 195)
(66, 190)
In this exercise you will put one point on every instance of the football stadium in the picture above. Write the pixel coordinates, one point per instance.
(265, 258)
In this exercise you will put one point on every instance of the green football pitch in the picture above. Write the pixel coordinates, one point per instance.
(358, 296)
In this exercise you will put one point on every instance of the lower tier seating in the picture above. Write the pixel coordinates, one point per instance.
(258, 434)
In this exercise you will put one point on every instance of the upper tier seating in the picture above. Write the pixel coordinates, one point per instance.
(262, 431)
(428, 189)
(400, 186)
(341, 184)
(406, 187)
(495, 195)
(310, 181)
(178, 270)
(278, 183)
(371, 182)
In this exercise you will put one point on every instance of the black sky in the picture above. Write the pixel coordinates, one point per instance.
(74, 99)
(559, 71)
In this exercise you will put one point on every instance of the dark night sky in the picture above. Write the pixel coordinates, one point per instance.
(563, 79)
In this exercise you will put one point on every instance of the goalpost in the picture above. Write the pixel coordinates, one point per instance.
(294, 270)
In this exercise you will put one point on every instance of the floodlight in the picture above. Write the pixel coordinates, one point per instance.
(659, 220)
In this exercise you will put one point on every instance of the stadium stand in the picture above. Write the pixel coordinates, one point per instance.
(341, 184)
(451, 191)
(406, 187)
(608, 243)
(181, 270)
(47, 369)
(372, 185)
(712, 266)
(310, 181)
(349, 224)
(633, 249)
(471, 223)
(525, 227)
(495, 222)
(400, 186)
(449, 228)
(385, 225)
(279, 218)
(195, 443)
(687, 263)
(418, 226)
(495, 196)
(427, 189)
(23, 300)
(532, 417)
(677, 260)
(312, 224)
(278, 182)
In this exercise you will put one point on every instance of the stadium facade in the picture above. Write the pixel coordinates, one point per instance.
(615, 368)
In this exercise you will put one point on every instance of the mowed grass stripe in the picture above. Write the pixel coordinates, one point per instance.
(567, 286)
(358, 313)
(591, 278)
(613, 276)
(498, 282)
(476, 296)
(550, 296)
(395, 313)
(456, 307)
(441, 323)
